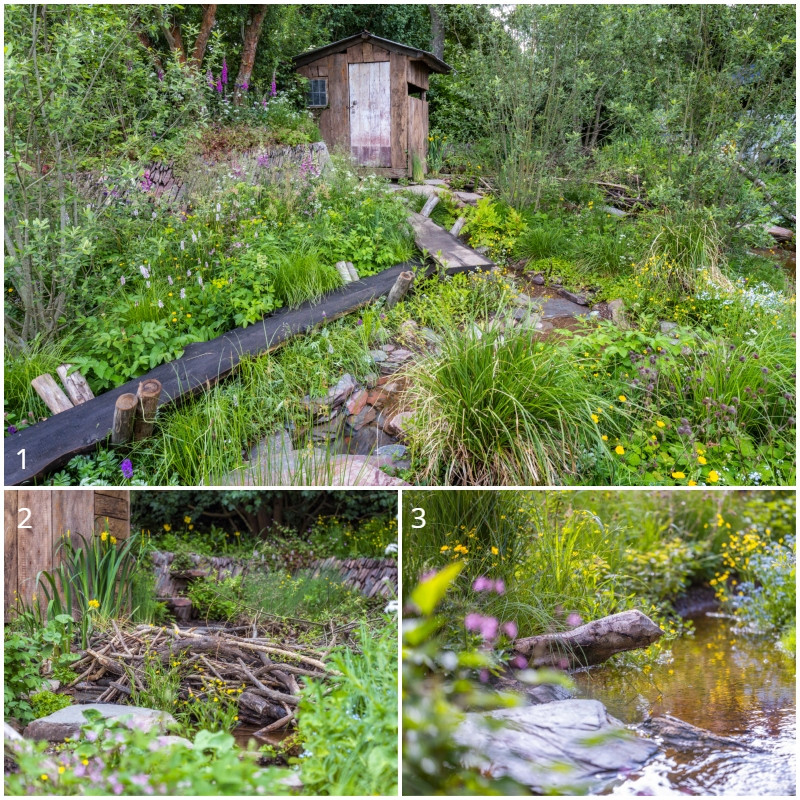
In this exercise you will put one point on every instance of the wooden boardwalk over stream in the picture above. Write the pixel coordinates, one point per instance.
(40, 449)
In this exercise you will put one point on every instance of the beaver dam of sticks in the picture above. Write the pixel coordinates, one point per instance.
(262, 668)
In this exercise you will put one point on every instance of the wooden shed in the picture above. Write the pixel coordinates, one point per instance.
(35, 519)
(369, 97)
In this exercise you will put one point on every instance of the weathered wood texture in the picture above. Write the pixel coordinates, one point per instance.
(75, 384)
(417, 128)
(370, 113)
(51, 393)
(592, 643)
(444, 248)
(48, 514)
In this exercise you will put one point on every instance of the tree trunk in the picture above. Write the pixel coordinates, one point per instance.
(437, 32)
(252, 32)
(592, 643)
(209, 17)
(172, 33)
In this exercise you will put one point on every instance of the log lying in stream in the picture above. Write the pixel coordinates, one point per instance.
(592, 643)
(682, 735)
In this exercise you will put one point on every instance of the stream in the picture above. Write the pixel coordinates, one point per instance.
(732, 684)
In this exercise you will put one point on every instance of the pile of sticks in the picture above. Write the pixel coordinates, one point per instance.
(211, 661)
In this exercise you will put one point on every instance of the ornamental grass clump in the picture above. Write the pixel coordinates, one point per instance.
(496, 408)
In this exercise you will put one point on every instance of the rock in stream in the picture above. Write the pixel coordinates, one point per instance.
(571, 746)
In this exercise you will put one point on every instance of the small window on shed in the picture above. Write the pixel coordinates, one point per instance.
(318, 92)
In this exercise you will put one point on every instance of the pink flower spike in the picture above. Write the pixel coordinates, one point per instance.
(574, 619)
(500, 587)
(510, 629)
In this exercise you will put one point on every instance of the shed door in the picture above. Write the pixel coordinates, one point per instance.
(370, 114)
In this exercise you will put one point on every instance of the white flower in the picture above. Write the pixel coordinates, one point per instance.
(121, 280)
(160, 304)
(188, 273)
(145, 272)
(183, 294)
(147, 284)
(391, 607)
(183, 244)
(390, 548)
(194, 236)
(169, 279)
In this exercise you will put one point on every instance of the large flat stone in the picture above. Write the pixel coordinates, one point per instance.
(560, 307)
(565, 747)
(67, 722)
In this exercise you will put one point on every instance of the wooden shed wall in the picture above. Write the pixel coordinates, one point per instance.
(27, 551)
(409, 129)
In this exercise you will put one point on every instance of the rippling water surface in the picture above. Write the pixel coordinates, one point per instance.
(733, 685)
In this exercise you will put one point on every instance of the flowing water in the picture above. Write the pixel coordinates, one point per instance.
(735, 685)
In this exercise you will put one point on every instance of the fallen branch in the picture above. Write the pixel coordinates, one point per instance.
(592, 643)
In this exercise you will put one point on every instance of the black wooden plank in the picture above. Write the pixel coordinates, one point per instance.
(50, 444)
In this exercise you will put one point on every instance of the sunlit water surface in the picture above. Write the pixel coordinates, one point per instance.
(734, 685)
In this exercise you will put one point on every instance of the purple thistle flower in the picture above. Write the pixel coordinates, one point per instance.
(472, 622)
(500, 587)
(224, 76)
(574, 619)
(482, 584)
(127, 468)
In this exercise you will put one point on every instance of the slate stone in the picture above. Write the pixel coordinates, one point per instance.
(564, 747)
(578, 299)
(66, 722)
(559, 307)
(378, 356)
(393, 451)
(538, 279)
(368, 440)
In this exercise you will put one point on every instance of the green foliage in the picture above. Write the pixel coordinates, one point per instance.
(495, 409)
(493, 225)
(121, 760)
(46, 702)
(216, 600)
(542, 241)
(24, 652)
(348, 723)
(315, 595)
(417, 167)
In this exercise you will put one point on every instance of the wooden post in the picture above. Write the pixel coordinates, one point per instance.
(401, 286)
(75, 384)
(341, 268)
(51, 393)
(458, 225)
(124, 413)
(430, 204)
(148, 393)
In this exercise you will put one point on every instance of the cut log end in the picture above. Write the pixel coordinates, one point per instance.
(124, 414)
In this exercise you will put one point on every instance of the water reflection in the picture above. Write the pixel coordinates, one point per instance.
(737, 686)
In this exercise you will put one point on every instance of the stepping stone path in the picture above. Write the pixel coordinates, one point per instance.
(564, 747)
(66, 722)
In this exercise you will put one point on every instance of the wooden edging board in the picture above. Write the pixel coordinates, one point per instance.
(50, 444)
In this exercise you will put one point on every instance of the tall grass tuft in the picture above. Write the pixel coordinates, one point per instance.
(500, 410)
(21, 367)
(301, 274)
(417, 168)
(543, 241)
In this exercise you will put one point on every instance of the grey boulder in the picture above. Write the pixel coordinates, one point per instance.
(67, 722)
(564, 747)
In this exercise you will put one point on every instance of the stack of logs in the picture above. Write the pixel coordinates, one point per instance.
(212, 662)
(78, 390)
(135, 414)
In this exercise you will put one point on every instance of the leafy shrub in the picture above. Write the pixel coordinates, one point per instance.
(348, 723)
(217, 600)
(45, 703)
(127, 761)
(493, 225)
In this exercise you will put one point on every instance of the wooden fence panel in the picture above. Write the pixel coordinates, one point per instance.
(10, 564)
(34, 543)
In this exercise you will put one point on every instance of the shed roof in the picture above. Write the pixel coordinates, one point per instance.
(433, 63)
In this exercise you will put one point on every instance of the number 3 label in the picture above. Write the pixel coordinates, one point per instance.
(419, 516)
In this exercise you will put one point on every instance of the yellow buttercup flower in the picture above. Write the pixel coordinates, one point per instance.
(444, 548)
(94, 604)
(619, 450)
(692, 483)
(604, 438)
(713, 476)
(661, 424)
(678, 475)
(495, 551)
(167, 527)
(623, 399)
(187, 520)
(595, 418)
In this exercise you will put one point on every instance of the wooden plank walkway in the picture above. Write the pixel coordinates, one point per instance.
(50, 444)
(444, 248)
